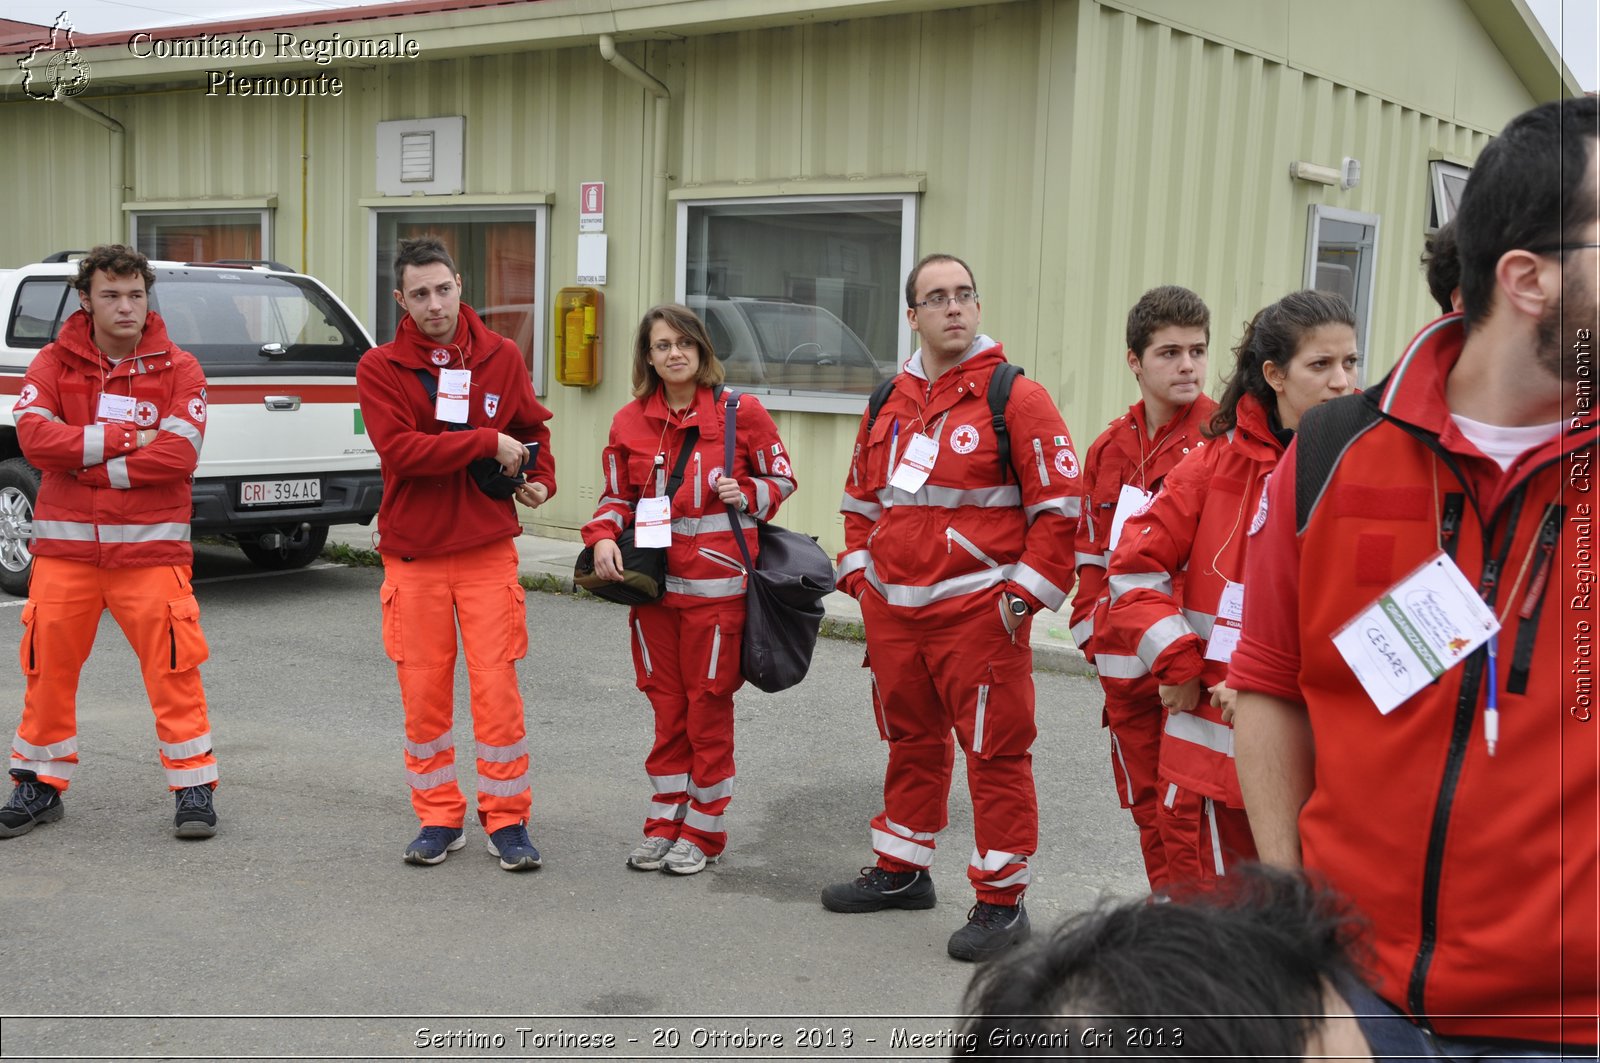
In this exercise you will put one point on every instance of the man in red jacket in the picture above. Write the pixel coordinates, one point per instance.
(112, 414)
(950, 551)
(1169, 330)
(1453, 803)
(450, 407)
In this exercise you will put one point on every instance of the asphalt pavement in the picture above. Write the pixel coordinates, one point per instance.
(299, 933)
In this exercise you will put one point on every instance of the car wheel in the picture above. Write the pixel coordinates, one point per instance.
(19, 489)
(299, 552)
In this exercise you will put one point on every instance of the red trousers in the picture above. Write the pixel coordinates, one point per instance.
(1202, 838)
(424, 600)
(686, 660)
(1135, 729)
(934, 675)
(156, 610)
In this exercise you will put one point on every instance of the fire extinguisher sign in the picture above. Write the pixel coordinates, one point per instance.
(592, 207)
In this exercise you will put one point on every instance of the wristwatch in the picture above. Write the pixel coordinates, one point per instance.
(1017, 606)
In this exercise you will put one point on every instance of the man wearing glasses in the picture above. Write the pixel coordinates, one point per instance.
(951, 549)
(1454, 801)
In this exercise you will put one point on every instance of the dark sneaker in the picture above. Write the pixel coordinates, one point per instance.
(31, 803)
(512, 846)
(878, 889)
(197, 815)
(990, 930)
(434, 844)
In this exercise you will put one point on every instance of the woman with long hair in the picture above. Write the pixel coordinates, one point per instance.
(1177, 575)
(686, 644)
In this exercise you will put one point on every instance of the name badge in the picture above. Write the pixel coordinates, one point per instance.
(915, 464)
(1416, 631)
(1230, 619)
(115, 408)
(1130, 501)
(652, 521)
(451, 403)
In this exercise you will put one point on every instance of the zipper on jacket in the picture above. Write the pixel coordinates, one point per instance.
(697, 482)
(1528, 615)
(952, 536)
(1450, 522)
(1038, 459)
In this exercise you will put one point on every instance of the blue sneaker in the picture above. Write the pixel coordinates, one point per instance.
(434, 844)
(512, 846)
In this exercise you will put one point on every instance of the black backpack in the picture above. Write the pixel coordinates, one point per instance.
(1000, 382)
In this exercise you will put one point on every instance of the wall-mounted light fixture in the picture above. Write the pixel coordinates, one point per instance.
(1346, 175)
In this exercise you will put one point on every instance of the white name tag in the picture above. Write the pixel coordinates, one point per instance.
(115, 408)
(1130, 501)
(1417, 630)
(1226, 629)
(916, 464)
(454, 387)
(652, 522)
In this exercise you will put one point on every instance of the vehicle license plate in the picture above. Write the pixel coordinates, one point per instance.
(279, 492)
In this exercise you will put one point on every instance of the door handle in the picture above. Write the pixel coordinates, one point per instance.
(282, 403)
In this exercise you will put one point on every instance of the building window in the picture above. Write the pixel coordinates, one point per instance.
(203, 235)
(1446, 182)
(500, 252)
(801, 296)
(1341, 251)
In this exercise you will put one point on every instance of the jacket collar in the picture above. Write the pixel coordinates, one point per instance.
(981, 344)
(472, 343)
(77, 340)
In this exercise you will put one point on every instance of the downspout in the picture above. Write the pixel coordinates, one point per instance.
(657, 224)
(118, 163)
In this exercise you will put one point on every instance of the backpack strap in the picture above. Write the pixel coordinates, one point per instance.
(879, 396)
(1000, 382)
(1326, 431)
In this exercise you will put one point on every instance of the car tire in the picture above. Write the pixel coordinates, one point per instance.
(19, 491)
(277, 559)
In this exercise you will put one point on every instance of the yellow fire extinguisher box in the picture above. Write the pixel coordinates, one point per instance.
(578, 315)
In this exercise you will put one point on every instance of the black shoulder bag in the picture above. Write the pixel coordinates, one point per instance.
(644, 568)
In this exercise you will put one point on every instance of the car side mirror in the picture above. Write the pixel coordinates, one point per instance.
(273, 350)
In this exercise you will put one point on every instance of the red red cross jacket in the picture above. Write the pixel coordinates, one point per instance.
(1197, 527)
(431, 505)
(971, 529)
(703, 562)
(102, 499)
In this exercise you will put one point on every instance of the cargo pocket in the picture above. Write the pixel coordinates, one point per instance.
(517, 617)
(26, 653)
(1001, 724)
(387, 595)
(186, 642)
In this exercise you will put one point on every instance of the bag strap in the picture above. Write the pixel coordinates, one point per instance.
(690, 438)
(729, 433)
(1325, 433)
(1000, 381)
(880, 395)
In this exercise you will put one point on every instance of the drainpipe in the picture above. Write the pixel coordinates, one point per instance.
(657, 224)
(117, 161)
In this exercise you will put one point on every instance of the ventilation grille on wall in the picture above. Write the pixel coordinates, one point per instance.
(421, 155)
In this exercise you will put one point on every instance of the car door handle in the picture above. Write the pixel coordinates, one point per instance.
(284, 403)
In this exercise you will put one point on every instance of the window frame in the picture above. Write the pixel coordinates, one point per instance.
(1438, 201)
(538, 206)
(201, 212)
(791, 399)
(1365, 282)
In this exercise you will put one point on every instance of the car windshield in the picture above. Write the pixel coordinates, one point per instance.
(807, 348)
(226, 318)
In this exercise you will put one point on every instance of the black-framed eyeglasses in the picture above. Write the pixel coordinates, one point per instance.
(1548, 249)
(936, 301)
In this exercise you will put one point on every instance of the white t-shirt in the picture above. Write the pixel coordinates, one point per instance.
(1505, 445)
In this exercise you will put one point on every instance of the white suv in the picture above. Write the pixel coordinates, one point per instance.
(286, 453)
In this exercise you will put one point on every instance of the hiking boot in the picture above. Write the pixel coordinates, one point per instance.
(197, 815)
(649, 855)
(990, 930)
(686, 858)
(434, 844)
(512, 846)
(31, 803)
(878, 889)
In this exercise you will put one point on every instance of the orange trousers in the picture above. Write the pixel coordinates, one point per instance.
(156, 609)
(424, 600)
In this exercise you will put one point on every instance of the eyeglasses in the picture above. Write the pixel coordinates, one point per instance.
(684, 344)
(936, 301)
(1546, 249)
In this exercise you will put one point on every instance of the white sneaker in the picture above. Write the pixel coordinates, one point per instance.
(649, 855)
(686, 858)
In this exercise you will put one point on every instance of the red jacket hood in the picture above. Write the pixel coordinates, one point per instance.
(472, 343)
(75, 342)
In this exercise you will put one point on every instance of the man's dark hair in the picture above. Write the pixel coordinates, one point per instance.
(1441, 264)
(928, 260)
(1163, 306)
(119, 260)
(1236, 973)
(421, 251)
(1274, 335)
(1528, 190)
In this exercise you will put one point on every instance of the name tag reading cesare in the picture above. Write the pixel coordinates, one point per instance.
(1417, 630)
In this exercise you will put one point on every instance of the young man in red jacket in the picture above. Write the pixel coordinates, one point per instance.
(450, 407)
(112, 414)
(1169, 331)
(1460, 819)
(950, 552)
